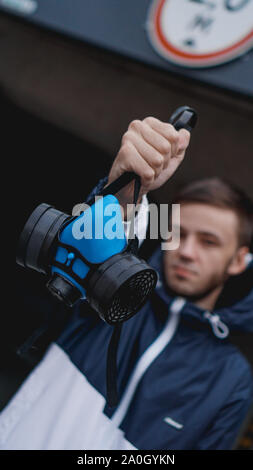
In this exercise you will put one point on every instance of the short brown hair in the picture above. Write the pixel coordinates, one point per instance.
(220, 192)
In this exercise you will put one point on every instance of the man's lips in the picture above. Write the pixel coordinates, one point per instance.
(183, 271)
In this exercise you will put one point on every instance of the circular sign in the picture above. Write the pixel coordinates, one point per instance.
(201, 33)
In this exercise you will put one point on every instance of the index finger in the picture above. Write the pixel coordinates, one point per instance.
(166, 130)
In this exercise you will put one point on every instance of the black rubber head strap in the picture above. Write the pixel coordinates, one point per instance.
(111, 367)
(111, 364)
(122, 181)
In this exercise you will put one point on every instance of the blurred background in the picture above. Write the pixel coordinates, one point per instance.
(72, 77)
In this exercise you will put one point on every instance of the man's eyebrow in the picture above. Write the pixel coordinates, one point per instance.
(204, 232)
(211, 234)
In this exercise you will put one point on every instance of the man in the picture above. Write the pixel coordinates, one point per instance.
(181, 384)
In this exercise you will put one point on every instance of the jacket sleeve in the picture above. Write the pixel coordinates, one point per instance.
(224, 431)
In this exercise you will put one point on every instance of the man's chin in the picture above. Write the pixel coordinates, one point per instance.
(188, 292)
(179, 289)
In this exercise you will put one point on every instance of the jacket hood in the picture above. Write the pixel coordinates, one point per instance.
(233, 309)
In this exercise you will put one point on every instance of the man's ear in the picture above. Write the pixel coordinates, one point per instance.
(238, 263)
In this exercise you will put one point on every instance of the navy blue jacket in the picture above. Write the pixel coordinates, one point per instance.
(181, 383)
(201, 383)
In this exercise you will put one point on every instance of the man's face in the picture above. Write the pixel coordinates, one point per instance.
(208, 243)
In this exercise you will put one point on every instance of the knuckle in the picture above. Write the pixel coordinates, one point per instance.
(165, 147)
(128, 137)
(148, 120)
(125, 149)
(135, 124)
(149, 175)
(125, 137)
(158, 161)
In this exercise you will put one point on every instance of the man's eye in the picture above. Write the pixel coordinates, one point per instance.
(209, 242)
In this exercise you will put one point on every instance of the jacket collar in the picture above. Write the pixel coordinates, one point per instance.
(233, 310)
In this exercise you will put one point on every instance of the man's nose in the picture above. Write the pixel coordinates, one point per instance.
(187, 247)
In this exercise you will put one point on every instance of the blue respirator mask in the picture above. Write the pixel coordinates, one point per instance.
(85, 259)
(103, 269)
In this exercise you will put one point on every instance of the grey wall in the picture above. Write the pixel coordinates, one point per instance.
(95, 95)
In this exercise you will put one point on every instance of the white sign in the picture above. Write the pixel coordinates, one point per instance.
(201, 33)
